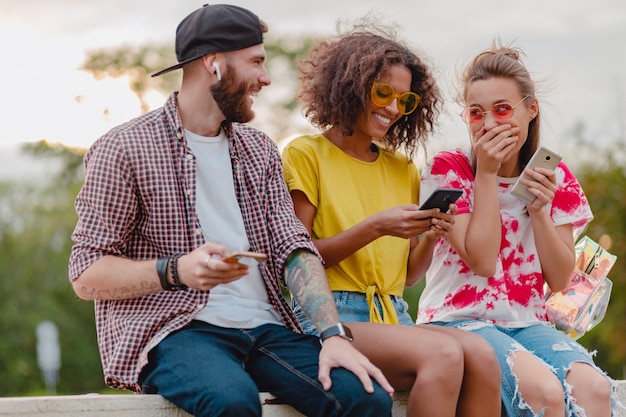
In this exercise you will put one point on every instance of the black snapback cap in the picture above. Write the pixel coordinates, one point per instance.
(215, 28)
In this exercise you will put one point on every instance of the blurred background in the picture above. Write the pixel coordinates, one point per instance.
(73, 69)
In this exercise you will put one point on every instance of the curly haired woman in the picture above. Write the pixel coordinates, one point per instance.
(357, 194)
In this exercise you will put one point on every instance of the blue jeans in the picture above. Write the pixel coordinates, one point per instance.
(557, 350)
(213, 371)
(352, 306)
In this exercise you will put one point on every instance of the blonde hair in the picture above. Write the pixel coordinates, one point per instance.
(505, 62)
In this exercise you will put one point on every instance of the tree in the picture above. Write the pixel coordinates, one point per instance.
(35, 227)
(278, 113)
(137, 63)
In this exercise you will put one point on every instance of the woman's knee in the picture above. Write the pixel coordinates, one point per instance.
(538, 386)
(445, 361)
(543, 394)
(481, 358)
(450, 351)
(588, 382)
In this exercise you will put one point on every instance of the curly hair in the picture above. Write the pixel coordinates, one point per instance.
(337, 76)
(505, 62)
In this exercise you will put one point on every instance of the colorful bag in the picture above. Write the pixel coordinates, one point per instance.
(582, 305)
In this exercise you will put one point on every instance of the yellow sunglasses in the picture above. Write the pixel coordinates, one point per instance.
(383, 95)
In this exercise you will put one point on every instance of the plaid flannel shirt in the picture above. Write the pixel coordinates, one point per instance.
(139, 201)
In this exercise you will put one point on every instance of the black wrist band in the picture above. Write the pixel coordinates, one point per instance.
(337, 330)
(161, 267)
(174, 271)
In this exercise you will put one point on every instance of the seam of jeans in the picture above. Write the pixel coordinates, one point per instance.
(314, 383)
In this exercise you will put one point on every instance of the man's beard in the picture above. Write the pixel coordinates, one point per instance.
(231, 97)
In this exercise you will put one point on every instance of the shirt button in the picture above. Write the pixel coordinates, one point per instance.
(189, 156)
(198, 231)
(188, 192)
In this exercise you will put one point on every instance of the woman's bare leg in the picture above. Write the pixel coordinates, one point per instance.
(427, 364)
(538, 386)
(480, 393)
(591, 390)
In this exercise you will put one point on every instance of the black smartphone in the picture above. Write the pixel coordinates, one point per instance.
(441, 198)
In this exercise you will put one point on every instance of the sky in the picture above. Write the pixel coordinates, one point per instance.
(576, 49)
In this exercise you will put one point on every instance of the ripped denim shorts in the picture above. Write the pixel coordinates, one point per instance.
(557, 350)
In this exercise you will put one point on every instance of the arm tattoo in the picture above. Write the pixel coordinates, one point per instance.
(122, 293)
(125, 293)
(306, 278)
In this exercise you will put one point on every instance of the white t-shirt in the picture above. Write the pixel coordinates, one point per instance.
(242, 303)
(513, 296)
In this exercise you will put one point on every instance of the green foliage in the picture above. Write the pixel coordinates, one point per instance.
(279, 112)
(35, 230)
(412, 296)
(604, 182)
(69, 158)
(283, 55)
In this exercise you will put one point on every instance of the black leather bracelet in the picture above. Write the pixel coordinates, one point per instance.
(174, 271)
(161, 267)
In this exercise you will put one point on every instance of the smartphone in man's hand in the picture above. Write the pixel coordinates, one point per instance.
(235, 256)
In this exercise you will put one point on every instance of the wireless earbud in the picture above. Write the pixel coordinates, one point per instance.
(217, 71)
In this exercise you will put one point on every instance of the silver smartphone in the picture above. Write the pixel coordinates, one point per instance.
(542, 158)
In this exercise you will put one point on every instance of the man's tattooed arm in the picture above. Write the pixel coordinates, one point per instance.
(306, 278)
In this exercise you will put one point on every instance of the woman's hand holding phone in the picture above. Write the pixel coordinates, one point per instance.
(541, 181)
(442, 198)
(404, 221)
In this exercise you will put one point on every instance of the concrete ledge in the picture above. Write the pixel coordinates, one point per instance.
(114, 405)
(122, 405)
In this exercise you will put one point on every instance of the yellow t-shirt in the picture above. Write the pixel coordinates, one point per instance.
(345, 191)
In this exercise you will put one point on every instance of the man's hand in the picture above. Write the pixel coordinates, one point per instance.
(339, 353)
(204, 268)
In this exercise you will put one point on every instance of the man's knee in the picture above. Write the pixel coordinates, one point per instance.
(354, 400)
(379, 403)
(233, 401)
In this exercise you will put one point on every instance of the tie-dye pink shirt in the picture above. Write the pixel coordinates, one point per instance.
(513, 296)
